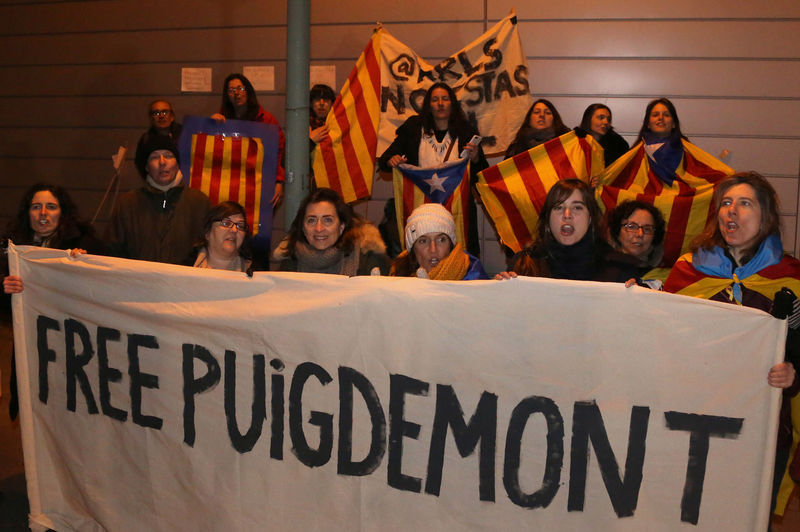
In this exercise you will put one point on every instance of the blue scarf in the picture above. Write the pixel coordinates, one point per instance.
(665, 160)
(715, 262)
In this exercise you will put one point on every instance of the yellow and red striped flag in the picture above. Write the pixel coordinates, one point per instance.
(345, 161)
(685, 204)
(232, 161)
(513, 191)
(447, 185)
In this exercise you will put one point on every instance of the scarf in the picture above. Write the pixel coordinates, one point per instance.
(236, 265)
(664, 155)
(331, 260)
(453, 267)
(577, 262)
(716, 263)
(163, 188)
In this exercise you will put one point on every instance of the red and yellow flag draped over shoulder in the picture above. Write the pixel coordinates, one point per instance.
(345, 161)
(514, 190)
(685, 204)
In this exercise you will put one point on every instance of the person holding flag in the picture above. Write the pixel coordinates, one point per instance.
(432, 248)
(739, 259)
(439, 134)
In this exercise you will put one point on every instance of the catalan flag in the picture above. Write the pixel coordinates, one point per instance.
(685, 203)
(447, 185)
(232, 161)
(514, 190)
(345, 161)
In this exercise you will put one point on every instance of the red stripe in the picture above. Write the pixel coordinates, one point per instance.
(682, 275)
(329, 159)
(587, 155)
(350, 157)
(216, 169)
(373, 67)
(654, 184)
(251, 174)
(531, 179)
(788, 267)
(197, 164)
(676, 228)
(558, 156)
(515, 218)
(236, 169)
(699, 169)
(610, 197)
(408, 198)
(627, 175)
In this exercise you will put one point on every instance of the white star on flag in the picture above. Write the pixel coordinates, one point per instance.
(435, 182)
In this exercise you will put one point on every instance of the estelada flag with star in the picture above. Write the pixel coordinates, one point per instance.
(447, 185)
(513, 191)
(685, 203)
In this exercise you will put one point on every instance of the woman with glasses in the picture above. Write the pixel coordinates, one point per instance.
(327, 237)
(225, 244)
(635, 231)
(239, 102)
(739, 259)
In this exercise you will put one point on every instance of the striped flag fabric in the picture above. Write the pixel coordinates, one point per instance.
(345, 161)
(685, 204)
(232, 161)
(447, 185)
(513, 191)
(686, 280)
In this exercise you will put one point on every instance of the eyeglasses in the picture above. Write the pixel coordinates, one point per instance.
(160, 112)
(234, 90)
(633, 227)
(227, 223)
(327, 220)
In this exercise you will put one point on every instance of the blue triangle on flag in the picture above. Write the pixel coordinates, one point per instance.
(439, 183)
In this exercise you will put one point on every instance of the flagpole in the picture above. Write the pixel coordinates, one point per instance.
(297, 85)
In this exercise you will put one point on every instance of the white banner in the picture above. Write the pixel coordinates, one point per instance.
(489, 76)
(160, 397)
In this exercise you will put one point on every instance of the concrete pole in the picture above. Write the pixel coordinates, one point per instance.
(298, 44)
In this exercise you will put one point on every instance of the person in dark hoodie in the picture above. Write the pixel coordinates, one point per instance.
(159, 221)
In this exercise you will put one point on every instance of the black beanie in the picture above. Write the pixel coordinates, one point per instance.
(151, 144)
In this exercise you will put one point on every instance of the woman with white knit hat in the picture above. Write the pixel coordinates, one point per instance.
(432, 249)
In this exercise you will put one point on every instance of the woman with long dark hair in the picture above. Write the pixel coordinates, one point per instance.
(596, 121)
(438, 134)
(542, 122)
(662, 136)
(239, 102)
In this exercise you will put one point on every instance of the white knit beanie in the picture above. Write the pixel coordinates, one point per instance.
(429, 218)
